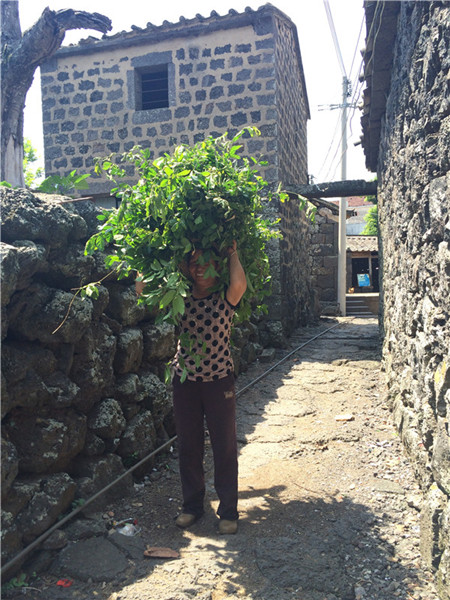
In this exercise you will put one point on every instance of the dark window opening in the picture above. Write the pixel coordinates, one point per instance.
(152, 88)
(375, 275)
(368, 267)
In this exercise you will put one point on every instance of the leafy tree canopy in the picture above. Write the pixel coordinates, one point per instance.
(199, 197)
(371, 220)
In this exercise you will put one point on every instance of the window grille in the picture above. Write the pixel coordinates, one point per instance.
(152, 88)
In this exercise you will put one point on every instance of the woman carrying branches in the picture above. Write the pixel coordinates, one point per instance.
(204, 196)
(203, 388)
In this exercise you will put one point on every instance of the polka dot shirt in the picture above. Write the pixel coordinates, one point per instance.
(205, 329)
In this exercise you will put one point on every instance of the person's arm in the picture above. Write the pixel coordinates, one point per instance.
(139, 285)
(238, 281)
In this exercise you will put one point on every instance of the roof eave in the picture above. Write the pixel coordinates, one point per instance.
(381, 27)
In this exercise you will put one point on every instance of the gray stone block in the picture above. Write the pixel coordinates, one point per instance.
(76, 560)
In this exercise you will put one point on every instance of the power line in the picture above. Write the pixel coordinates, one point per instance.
(346, 93)
(329, 149)
(357, 46)
(334, 36)
(345, 104)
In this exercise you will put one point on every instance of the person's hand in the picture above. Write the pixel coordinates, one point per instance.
(139, 284)
(232, 249)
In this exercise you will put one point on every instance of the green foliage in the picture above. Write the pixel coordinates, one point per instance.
(56, 184)
(77, 503)
(371, 220)
(17, 582)
(30, 156)
(200, 197)
(5, 184)
(90, 290)
(130, 460)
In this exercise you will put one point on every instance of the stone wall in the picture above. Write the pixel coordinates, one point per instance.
(292, 109)
(324, 253)
(297, 304)
(414, 209)
(83, 396)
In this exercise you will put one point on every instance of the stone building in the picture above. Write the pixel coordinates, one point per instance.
(177, 83)
(406, 125)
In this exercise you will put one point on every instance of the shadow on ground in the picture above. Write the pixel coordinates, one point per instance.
(316, 547)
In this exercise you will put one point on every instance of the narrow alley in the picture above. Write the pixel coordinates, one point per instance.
(328, 502)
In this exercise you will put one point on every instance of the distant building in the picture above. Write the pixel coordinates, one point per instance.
(362, 263)
(360, 207)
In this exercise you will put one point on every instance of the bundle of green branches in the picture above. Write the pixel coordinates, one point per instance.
(199, 197)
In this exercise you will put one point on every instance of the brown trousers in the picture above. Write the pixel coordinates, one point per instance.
(216, 401)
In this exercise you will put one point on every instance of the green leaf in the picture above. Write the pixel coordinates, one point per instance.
(211, 272)
(178, 305)
(167, 298)
(167, 374)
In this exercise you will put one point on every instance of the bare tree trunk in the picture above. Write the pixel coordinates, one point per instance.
(21, 56)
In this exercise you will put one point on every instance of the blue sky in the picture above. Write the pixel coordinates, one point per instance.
(323, 72)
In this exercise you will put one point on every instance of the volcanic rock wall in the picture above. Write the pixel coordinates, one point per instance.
(83, 396)
(414, 209)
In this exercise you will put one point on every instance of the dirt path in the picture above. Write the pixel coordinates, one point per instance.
(328, 504)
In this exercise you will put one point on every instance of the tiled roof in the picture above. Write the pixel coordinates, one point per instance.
(321, 203)
(362, 243)
(153, 34)
(353, 201)
(183, 27)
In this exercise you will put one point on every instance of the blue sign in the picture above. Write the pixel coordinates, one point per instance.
(363, 279)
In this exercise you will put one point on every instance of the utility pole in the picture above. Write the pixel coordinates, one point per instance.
(342, 245)
(342, 239)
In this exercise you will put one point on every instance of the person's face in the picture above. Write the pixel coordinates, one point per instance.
(197, 269)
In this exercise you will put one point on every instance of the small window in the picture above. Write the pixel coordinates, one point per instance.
(152, 88)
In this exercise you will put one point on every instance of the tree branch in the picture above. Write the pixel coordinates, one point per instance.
(79, 19)
(11, 32)
(46, 36)
(20, 57)
(335, 189)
